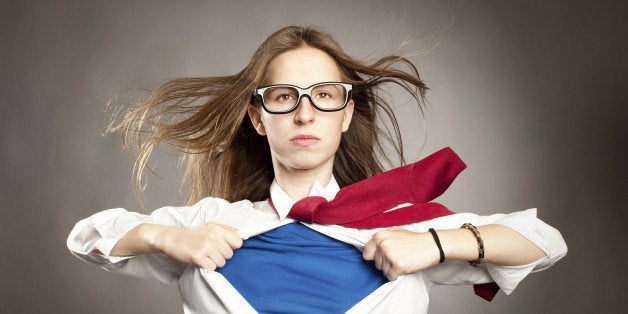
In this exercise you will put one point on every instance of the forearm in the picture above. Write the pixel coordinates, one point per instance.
(502, 245)
(142, 239)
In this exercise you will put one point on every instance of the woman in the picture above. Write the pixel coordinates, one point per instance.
(308, 130)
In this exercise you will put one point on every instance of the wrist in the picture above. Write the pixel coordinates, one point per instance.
(458, 244)
(154, 236)
(441, 252)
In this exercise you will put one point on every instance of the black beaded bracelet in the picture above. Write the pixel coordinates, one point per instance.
(440, 248)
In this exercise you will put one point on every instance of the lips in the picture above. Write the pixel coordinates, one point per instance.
(304, 140)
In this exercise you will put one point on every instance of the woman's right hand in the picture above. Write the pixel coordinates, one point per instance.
(208, 245)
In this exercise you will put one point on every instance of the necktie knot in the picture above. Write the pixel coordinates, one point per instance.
(304, 209)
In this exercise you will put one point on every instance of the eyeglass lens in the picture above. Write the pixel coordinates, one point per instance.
(326, 96)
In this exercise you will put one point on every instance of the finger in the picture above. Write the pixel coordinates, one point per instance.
(203, 262)
(216, 257)
(225, 250)
(392, 276)
(233, 239)
(389, 271)
(369, 250)
(229, 228)
(392, 272)
(386, 268)
(379, 260)
(208, 264)
(219, 228)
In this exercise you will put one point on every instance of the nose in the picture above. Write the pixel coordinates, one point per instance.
(305, 111)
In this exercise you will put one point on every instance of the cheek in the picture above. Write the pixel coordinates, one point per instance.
(268, 121)
(341, 121)
(334, 129)
(275, 128)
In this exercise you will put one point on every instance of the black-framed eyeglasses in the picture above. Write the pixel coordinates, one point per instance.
(285, 98)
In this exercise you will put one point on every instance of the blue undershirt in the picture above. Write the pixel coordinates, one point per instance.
(294, 269)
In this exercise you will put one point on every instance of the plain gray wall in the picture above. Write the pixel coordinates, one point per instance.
(531, 94)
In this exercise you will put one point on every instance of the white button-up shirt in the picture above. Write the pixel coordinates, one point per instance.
(204, 291)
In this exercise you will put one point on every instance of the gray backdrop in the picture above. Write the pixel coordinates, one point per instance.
(531, 94)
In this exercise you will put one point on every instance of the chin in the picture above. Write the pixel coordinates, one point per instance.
(304, 165)
(306, 162)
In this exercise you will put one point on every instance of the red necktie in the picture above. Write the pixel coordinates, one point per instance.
(366, 204)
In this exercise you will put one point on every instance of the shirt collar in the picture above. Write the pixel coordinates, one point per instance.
(283, 202)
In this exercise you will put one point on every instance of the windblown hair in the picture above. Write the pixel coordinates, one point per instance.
(205, 118)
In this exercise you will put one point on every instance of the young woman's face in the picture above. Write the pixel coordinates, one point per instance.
(306, 138)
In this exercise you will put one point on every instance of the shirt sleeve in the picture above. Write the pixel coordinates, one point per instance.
(93, 238)
(547, 238)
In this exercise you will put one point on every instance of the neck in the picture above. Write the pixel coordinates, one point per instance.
(298, 183)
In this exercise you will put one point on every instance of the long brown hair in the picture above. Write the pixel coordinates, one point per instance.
(205, 118)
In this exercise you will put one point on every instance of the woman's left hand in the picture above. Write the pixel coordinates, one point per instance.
(397, 251)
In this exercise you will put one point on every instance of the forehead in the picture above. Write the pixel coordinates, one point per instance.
(303, 67)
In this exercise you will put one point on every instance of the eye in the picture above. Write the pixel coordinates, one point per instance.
(285, 97)
(327, 92)
(324, 95)
(280, 94)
